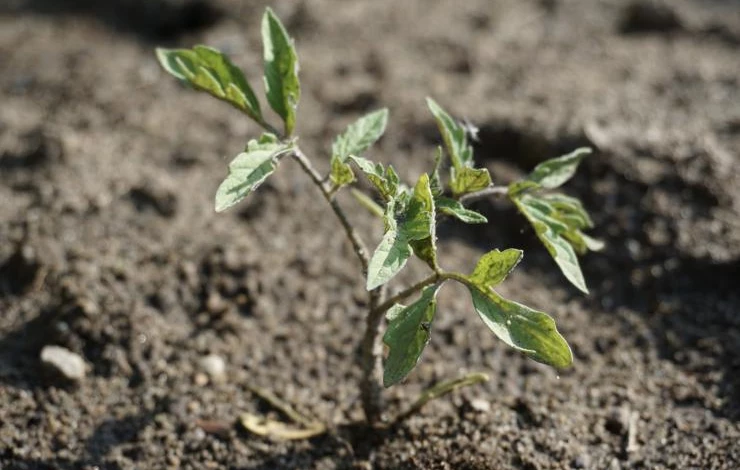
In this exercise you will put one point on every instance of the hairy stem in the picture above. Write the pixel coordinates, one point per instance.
(357, 244)
(483, 193)
(371, 359)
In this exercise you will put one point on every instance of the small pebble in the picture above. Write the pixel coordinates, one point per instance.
(200, 379)
(214, 366)
(480, 405)
(65, 363)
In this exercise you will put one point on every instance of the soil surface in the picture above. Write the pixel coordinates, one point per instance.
(109, 245)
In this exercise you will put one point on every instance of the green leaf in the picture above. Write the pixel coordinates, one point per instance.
(247, 171)
(209, 70)
(554, 172)
(575, 238)
(407, 335)
(520, 187)
(494, 266)
(468, 180)
(435, 181)
(384, 179)
(360, 135)
(388, 259)
(414, 231)
(530, 331)
(421, 224)
(593, 244)
(453, 136)
(267, 141)
(454, 208)
(570, 210)
(282, 87)
(418, 218)
(550, 231)
(341, 173)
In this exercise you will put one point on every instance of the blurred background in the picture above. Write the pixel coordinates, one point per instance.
(165, 311)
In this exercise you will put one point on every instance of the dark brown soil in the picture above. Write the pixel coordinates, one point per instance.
(109, 245)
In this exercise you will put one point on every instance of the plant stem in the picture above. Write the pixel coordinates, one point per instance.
(371, 359)
(357, 244)
(489, 191)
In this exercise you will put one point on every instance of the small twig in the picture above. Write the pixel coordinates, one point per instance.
(483, 193)
(632, 445)
(439, 390)
(282, 406)
(263, 426)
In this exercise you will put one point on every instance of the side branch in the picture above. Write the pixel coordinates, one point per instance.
(483, 193)
(382, 308)
(357, 244)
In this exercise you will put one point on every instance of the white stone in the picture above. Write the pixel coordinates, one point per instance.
(214, 366)
(68, 364)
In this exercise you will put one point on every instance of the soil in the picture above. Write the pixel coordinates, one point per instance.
(111, 248)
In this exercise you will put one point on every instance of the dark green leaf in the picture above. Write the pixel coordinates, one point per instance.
(360, 135)
(454, 208)
(247, 171)
(554, 172)
(209, 70)
(494, 266)
(530, 331)
(281, 70)
(407, 335)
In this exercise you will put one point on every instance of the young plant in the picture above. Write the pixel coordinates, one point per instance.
(410, 215)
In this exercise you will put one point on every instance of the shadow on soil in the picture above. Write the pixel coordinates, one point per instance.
(107, 436)
(689, 304)
(147, 19)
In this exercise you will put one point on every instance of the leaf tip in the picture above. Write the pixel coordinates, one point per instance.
(161, 54)
(372, 283)
(433, 105)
